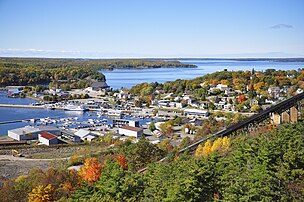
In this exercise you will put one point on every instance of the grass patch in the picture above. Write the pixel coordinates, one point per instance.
(50, 155)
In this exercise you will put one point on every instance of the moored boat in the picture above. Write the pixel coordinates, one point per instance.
(71, 107)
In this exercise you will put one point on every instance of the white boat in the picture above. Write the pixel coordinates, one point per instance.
(50, 107)
(71, 107)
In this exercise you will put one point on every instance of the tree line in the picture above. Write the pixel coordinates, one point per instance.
(261, 167)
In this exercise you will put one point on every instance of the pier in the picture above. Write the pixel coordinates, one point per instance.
(37, 107)
(21, 106)
(25, 120)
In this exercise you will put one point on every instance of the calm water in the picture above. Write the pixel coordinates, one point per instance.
(118, 78)
(8, 114)
(127, 78)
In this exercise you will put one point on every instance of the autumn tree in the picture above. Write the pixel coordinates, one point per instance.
(41, 194)
(199, 151)
(217, 144)
(122, 161)
(207, 149)
(255, 108)
(241, 98)
(90, 171)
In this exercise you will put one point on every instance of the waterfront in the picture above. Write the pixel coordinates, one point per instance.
(130, 77)
(10, 114)
(118, 78)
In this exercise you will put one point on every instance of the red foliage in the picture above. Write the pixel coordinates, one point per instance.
(241, 98)
(122, 161)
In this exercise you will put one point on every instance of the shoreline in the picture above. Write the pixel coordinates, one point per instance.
(36, 107)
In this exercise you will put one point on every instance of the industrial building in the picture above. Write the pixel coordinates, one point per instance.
(31, 132)
(131, 131)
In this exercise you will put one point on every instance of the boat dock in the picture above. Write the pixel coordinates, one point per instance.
(21, 106)
(37, 107)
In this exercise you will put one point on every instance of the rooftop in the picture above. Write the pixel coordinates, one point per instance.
(47, 135)
(82, 133)
(25, 130)
(100, 84)
(33, 129)
(136, 129)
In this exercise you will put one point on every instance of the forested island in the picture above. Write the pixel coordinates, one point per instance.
(73, 73)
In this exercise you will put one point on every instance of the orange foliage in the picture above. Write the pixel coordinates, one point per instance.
(149, 99)
(250, 86)
(258, 86)
(214, 82)
(225, 82)
(122, 161)
(241, 98)
(91, 170)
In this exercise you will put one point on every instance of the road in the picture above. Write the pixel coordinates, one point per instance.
(14, 158)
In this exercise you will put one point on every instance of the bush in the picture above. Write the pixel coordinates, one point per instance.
(75, 160)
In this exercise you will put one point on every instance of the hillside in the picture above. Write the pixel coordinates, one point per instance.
(259, 167)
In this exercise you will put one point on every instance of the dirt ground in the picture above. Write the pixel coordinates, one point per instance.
(12, 168)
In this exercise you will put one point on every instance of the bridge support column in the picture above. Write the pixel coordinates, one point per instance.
(285, 117)
(276, 118)
(293, 114)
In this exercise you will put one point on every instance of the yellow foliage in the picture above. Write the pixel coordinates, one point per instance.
(225, 144)
(41, 193)
(207, 149)
(217, 144)
(225, 82)
(258, 86)
(21, 178)
(199, 151)
(222, 145)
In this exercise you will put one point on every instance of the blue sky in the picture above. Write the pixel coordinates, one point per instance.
(154, 28)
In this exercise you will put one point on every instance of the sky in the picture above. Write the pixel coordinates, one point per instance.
(151, 28)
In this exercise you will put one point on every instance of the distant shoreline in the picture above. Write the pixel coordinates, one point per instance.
(279, 59)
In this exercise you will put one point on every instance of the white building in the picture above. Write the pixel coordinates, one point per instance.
(221, 87)
(273, 90)
(299, 91)
(164, 103)
(131, 131)
(85, 135)
(196, 112)
(47, 138)
(31, 132)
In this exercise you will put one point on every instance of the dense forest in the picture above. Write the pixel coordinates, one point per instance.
(89, 63)
(265, 166)
(36, 71)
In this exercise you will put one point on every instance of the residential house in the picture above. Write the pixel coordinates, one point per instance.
(221, 87)
(273, 90)
(229, 92)
(253, 102)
